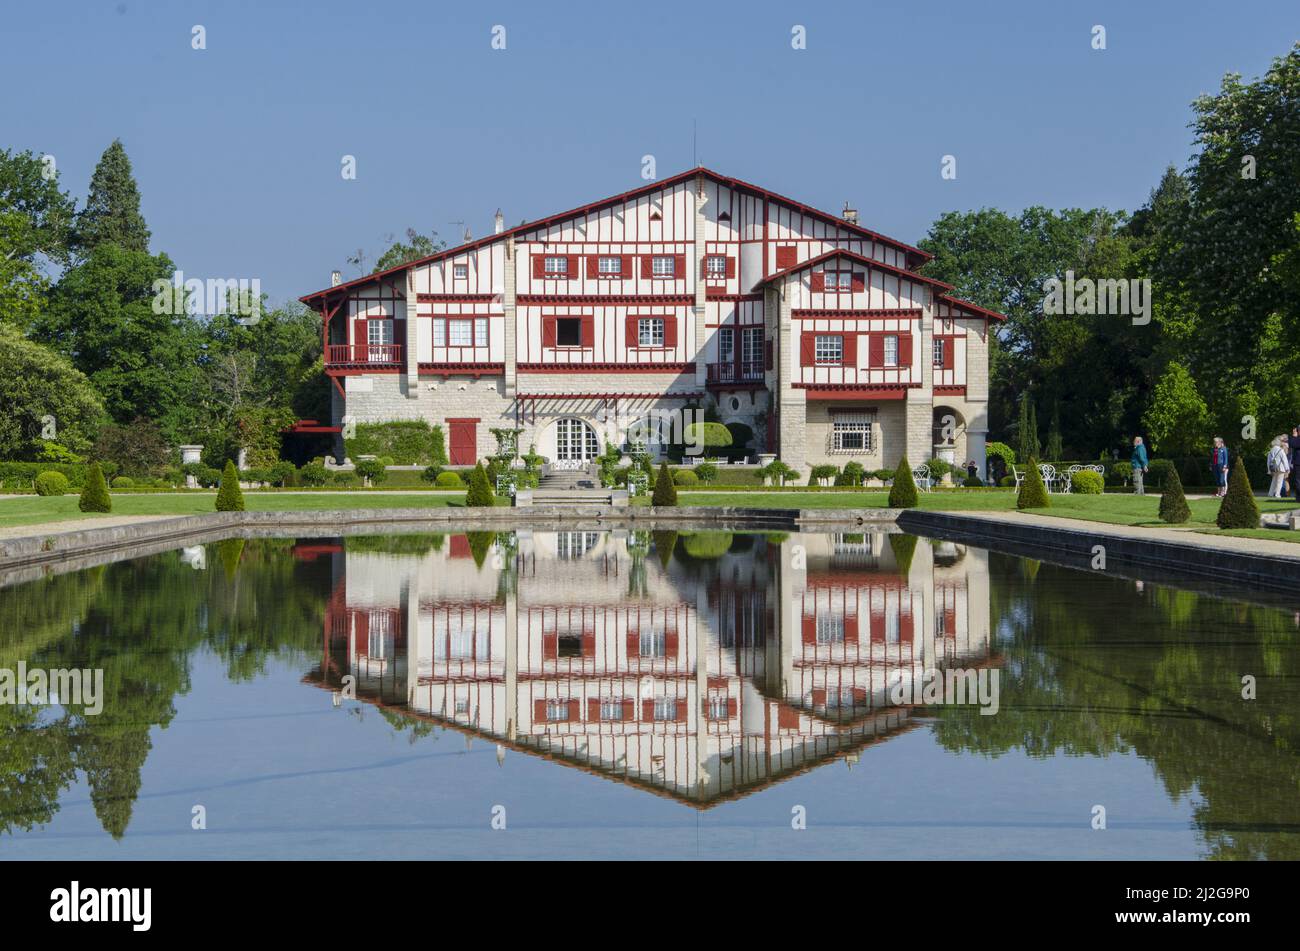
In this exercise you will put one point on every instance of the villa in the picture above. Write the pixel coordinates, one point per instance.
(698, 291)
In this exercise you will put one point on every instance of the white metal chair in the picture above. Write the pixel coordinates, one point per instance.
(1048, 472)
(921, 475)
(1020, 477)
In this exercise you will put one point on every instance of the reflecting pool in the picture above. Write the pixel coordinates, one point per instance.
(644, 695)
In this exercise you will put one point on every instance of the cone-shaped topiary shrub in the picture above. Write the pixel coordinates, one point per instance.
(95, 497)
(665, 493)
(664, 543)
(904, 548)
(480, 494)
(1033, 494)
(1239, 509)
(1173, 503)
(902, 494)
(230, 498)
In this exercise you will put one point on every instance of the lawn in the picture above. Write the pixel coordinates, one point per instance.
(35, 510)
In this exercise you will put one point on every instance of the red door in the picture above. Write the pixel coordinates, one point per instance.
(464, 441)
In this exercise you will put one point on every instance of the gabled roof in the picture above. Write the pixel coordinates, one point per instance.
(879, 265)
(646, 189)
(858, 259)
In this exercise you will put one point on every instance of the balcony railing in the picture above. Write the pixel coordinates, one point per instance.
(364, 353)
(748, 371)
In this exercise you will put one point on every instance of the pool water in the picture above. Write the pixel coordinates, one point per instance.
(630, 694)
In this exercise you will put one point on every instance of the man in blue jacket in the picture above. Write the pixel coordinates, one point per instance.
(1139, 461)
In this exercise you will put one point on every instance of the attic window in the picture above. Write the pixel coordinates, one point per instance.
(460, 271)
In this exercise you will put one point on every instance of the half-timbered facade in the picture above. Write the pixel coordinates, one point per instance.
(819, 334)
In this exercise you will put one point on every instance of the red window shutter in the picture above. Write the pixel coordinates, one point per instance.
(905, 349)
(949, 352)
(399, 332)
(731, 706)
(575, 711)
(807, 349)
(631, 339)
(647, 265)
(787, 256)
(905, 623)
(588, 643)
(731, 266)
(588, 330)
(859, 696)
(679, 266)
(548, 331)
(787, 718)
(875, 350)
(629, 710)
(539, 711)
(626, 266)
(670, 331)
(818, 281)
(767, 354)
(851, 350)
(819, 697)
(858, 282)
(851, 630)
(550, 646)
(681, 711)
(573, 267)
(633, 644)
(358, 337)
(809, 629)
(950, 621)
(593, 711)
(878, 624)
(670, 642)
(539, 265)
(593, 266)
(648, 710)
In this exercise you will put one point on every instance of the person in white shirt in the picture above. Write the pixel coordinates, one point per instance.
(1279, 466)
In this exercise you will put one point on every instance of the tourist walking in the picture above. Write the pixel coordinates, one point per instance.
(1293, 443)
(1278, 465)
(1219, 466)
(1139, 462)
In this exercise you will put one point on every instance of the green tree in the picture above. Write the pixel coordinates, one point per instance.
(415, 246)
(1178, 418)
(1238, 508)
(230, 498)
(94, 495)
(903, 494)
(1033, 493)
(35, 229)
(41, 392)
(665, 493)
(480, 494)
(1053, 446)
(112, 211)
(1173, 503)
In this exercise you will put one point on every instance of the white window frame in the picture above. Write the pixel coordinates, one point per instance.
(663, 265)
(891, 356)
(465, 333)
(726, 354)
(836, 281)
(937, 353)
(550, 268)
(751, 345)
(440, 331)
(460, 271)
(609, 266)
(650, 331)
(826, 353)
(715, 265)
(652, 643)
(665, 710)
(830, 629)
(855, 424)
(480, 332)
(557, 711)
(379, 333)
(611, 709)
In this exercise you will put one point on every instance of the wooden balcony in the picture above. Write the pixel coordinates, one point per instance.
(731, 374)
(379, 355)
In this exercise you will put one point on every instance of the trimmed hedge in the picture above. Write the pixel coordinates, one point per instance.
(449, 480)
(52, 483)
(685, 477)
(1087, 482)
(22, 475)
(407, 442)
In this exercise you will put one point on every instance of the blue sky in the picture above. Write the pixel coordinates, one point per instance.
(238, 147)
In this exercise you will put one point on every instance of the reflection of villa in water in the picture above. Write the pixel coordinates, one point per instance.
(734, 668)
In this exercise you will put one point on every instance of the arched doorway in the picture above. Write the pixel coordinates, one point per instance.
(949, 435)
(575, 443)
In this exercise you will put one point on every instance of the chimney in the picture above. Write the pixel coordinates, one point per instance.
(850, 214)
(336, 278)
(500, 222)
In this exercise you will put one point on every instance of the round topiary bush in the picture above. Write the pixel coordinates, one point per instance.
(372, 471)
(123, 482)
(431, 474)
(94, 495)
(346, 480)
(686, 477)
(706, 472)
(449, 480)
(313, 473)
(1086, 482)
(823, 475)
(52, 483)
